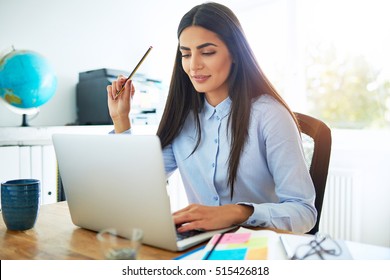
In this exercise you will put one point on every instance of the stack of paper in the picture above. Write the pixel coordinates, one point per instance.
(248, 244)
(300, 245)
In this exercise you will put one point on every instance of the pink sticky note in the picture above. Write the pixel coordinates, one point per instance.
(233, 238)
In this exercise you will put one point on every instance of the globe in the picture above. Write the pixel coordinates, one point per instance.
(27, 80)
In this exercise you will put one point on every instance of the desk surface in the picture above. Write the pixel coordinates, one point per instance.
(54, 236)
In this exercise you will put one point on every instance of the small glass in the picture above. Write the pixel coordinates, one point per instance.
(115, 247)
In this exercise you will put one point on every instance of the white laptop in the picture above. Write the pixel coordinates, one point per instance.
(119, 181)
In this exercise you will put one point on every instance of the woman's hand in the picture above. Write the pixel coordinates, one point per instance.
(119, 106)
(197, 216)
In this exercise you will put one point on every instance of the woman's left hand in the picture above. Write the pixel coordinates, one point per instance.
(196, 216)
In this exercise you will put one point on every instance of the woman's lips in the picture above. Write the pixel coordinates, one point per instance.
(200, 78)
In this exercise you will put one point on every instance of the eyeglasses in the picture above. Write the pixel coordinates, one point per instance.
(322, 245)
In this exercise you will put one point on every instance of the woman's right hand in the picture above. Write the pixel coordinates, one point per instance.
(119, 106)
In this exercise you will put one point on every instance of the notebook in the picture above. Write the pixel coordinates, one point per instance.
(119, 181)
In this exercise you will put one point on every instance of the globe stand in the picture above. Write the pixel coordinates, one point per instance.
(24, 120)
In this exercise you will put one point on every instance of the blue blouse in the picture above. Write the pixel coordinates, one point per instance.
(272, 175)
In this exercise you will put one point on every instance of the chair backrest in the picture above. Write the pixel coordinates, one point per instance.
(318, 156)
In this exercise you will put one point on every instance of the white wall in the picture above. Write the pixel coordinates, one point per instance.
(80, 35)
(367, 153)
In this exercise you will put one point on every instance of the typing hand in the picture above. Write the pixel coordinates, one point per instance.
(195, 216)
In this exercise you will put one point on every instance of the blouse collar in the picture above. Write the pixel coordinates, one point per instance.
(221, 110)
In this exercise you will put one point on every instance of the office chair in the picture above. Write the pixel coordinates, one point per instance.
(317, 141)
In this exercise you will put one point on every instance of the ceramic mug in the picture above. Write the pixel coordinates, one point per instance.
(20, 203)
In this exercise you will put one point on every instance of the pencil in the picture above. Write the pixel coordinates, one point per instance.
(133, 72)
(214, 246)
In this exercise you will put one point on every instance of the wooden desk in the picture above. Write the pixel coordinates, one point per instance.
(54, 236)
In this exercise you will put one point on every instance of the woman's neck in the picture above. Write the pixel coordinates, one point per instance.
(215, 99)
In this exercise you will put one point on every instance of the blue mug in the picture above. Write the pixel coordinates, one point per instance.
(20, 203)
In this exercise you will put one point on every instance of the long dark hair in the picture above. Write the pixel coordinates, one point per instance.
(246, 82)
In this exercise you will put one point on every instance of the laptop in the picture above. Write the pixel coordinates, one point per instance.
(119, 181)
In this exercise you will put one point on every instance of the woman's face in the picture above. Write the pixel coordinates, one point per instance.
(207, 62)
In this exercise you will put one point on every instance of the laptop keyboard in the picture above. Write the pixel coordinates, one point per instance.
(184, 235)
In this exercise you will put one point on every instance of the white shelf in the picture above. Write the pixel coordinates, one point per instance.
(31, 136)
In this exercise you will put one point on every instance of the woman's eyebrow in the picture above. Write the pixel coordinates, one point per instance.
(198, 47)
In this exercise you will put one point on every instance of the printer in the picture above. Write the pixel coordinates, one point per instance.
(91, 98)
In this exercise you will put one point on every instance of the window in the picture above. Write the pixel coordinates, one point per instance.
(329, 58)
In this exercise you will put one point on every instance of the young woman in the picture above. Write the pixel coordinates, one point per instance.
(225, 127)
